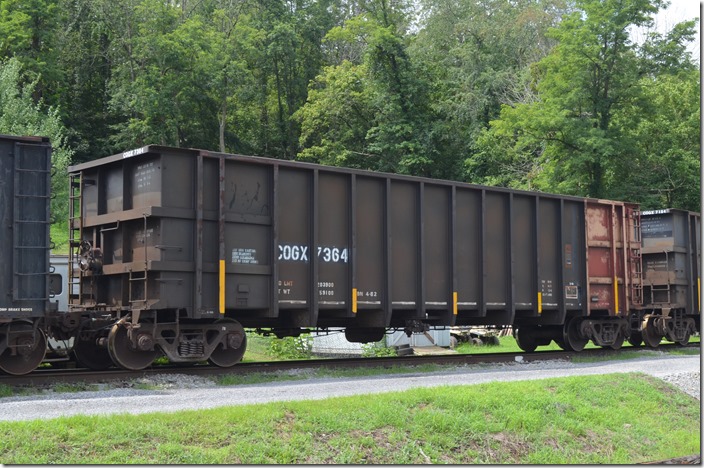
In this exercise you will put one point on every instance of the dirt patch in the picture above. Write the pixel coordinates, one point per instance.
(596, 443)
(380, 436)
(326, 443)
(513, 447)
(501, 447)
(284, 425)
(381, 439)
(469, 452)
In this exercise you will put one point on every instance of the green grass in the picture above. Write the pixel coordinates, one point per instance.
(257, 348)
(393, 370)
(74, 387)
(327, 372)
(635, 354)
(624, 418)
(259, 378)
(59, 236)
(508, 345)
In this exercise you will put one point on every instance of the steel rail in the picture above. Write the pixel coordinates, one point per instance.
(47, 376)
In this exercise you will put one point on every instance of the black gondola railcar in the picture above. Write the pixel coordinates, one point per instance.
(672, 281)
(25, 183)
(187, 247)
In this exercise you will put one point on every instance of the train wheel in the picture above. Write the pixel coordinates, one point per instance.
(124, 354)
(453, 342)
(231, 350)
(618, 342)
(88, 354)
(650, 336)
(525, 339)
(571, 336)
(493, 341)
(26, 349)
(685, 340)
(636, 338)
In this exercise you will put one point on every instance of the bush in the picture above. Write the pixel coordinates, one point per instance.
(292, 347)
(378, 349)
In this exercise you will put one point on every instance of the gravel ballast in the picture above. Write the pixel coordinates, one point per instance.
(177, 393)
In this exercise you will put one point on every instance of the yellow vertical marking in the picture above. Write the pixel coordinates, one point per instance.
(354, 300)
(699, 293)
(454, 303)
(540, 303)
(615, 295)
(222, 286)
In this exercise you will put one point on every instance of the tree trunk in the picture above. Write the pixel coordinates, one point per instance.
(223, 123)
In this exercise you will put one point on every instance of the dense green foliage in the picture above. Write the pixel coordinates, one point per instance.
(21, 115)
(291, 347)
(548, 95)
(610, 119)
(611, 419)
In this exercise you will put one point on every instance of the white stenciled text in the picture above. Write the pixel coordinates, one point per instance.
(300, 253)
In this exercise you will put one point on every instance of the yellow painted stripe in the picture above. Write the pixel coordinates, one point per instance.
(454, 303)
(540, 303)
(699, 293)
(354, 300)
(615, 295)
(222, 286)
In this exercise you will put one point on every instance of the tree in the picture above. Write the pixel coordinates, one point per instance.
(229, 68)
(478, 52)
(665, 168)
(85, 56)
(667, 53)
(159, 87)
(292, 57)
(336, 118)
(27, 32)
(19, 115)
(371, 113)
(571, 131)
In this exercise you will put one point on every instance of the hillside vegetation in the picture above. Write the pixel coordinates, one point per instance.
(550, 95)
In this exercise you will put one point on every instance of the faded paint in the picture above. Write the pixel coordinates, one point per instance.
(597, 223)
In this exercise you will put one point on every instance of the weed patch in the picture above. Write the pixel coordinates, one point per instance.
(74, 387)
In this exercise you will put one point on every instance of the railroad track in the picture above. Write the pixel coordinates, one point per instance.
(47, 376)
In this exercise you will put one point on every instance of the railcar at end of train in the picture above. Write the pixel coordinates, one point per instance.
(671, 279)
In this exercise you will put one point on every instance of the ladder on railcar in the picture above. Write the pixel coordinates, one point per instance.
(27, 184)
(635, 258)
(138, 279)
(75, 236)
(137, 284)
